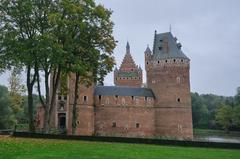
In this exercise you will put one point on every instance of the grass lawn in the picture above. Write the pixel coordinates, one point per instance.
(23, 148)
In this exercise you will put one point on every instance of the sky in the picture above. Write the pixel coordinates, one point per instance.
(209, 31)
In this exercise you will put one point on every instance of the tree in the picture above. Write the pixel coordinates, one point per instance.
(18, 38)
(224, 116)
(237, 97)
(16, 91)
(200, 112)
(6, 115)
(84, 30)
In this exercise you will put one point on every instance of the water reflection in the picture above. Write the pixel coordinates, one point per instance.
(212, 138)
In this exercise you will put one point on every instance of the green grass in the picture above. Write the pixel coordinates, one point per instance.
(22, 148)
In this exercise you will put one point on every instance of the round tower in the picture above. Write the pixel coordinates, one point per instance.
(167, 70)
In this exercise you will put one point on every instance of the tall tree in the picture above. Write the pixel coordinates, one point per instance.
(6, 115)
(85, 31)
(16, 91)
(224, 116)
(18, 38)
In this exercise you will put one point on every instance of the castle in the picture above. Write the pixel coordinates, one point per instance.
(162, 108)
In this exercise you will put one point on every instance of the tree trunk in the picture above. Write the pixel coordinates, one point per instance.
(74, 111)
(30, 84)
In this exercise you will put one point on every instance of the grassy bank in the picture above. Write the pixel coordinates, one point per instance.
(22, 148)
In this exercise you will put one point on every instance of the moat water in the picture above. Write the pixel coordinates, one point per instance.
(217, 138)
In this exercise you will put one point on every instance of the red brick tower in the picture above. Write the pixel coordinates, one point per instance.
(129, 74)
(167, 70)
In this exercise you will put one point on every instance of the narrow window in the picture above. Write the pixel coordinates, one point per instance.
(99, 97)
(178, 80)
(123, 101)
(65, 97)
(166, 61)
(147, 63)
(85, 98)
(114, 124)
(182, 60)
(132, 97)
(158, 61)
(179, 100)
(174, 60)
(145, 98)
(137, 125)
(77, 96)
(59, 97)
(107, 101)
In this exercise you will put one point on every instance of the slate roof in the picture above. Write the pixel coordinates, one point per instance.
(123, 91)
(174, 48)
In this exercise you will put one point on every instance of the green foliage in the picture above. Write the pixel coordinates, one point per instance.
(6, 115)
(23, 148)
(224, 116)
(16, 90)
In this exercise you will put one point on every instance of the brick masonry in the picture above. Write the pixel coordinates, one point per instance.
(169, 114)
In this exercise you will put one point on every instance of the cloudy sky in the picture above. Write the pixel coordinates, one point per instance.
(209, 31)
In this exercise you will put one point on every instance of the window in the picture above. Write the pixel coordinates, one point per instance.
(174, 60)
(158, 61)
(59, 97)
(178, 80)
(116, 96)
(160, 48)
(179, 100)
(137, 101)
(161, 40)
(145, 98)
(137, 125)
(107, 101)
(77, 96)
(182, 60)
(114, 124)
(65, 97)
(166, 61)
(132, 97)
(147, 63)
(99, 97)
(61, 105)
(84, 98)
(123, 101)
